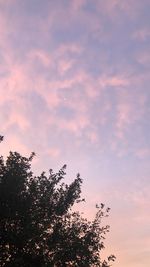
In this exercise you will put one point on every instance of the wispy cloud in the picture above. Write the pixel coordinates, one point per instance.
(74, 87)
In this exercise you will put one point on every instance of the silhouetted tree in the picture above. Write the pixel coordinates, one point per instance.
(37, 225)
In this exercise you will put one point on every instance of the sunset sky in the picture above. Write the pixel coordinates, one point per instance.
(75, 88)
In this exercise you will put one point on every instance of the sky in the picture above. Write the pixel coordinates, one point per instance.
(74, 88)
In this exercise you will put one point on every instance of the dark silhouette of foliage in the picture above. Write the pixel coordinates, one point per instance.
(38, 227)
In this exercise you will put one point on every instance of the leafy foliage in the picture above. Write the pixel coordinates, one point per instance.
(38, 227)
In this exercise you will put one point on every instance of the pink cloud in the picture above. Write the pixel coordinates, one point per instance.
(143, 58)
(42, 56)
(54, 152)
(78, 4)
(129, 109)
(76, 125)
(14, 83)
(141, 34)
(65, 48)
(116, 9)
(16, 117)
(143, 153)
(115, 81)
(7, 2)
(48, 90)
(64, 65)
(14, 143)
(123, 118)
(93, 137)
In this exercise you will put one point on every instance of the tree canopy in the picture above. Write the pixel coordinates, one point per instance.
(38, 227)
